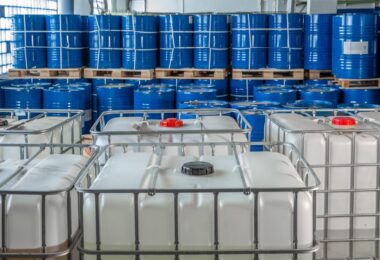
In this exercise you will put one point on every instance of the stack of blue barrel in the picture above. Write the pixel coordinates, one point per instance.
(64, 41)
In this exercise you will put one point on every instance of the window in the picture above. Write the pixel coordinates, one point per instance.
(8, 8)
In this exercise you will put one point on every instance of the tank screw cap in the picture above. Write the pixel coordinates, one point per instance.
(197, 168)
(172, 123)
(343, 121)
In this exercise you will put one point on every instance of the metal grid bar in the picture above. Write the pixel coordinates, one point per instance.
(373, 129)
(311, 185)
(6, 192)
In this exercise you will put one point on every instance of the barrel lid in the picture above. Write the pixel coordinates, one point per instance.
(171, 123)
(343, 121)
(117, 85)
(197, 90)
(197, 168)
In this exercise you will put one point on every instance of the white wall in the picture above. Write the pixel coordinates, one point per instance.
(82, 7)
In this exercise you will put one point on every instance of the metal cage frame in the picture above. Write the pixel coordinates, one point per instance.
(6, 192)
(83, 186)
(325, 188)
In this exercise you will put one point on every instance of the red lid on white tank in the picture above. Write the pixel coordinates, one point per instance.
(172, 123)
(343, 121)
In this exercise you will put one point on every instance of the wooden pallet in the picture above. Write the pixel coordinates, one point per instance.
(319, 74)
(46, 73)
(357, 83)
(191, 73)
(268, 74)
(118, 73)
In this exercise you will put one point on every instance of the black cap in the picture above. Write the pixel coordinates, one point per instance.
(197, 168)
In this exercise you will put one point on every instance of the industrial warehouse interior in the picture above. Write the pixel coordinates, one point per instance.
(190, 129)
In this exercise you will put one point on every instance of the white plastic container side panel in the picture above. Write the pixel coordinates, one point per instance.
(207, 123)
(23, 223)
(196, 217)
(49, 137)
(340, 151)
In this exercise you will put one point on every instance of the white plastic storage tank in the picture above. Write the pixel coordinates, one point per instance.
(39, 204)
(169, 204)
(175, 127)
(343, 149)
(39, 127)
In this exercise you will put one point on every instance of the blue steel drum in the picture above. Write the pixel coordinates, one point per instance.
(211, 33)
(285, 41)
(140, 41)
(176, 82)
(85, 40)
(176, 41)
(31, 81)
(29, 41)
(141, 82)
(320, 93)
(256, 118)
(283, 82)
(249, 41)
(154, 97)
(104, 41)
(310, 104)
(318, 41)
(115, 97)
(94, 94)
(358, 105)
(361, 95)
(64, 41)
(316, 81)
(271, 87)
(282, 96)
(243, 89)
(25, 96)
(61, 97)
(221, 86)
(204, 104)
(195, 94)
(354, 46)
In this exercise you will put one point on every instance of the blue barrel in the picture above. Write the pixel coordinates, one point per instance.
(316, 81)
(285, 41)
(270, 88)
(318, 42)
(211, 33)
(378, 40)
(176, 41)
(29, 41)
(283, 82)
(320, 93)
(221, 86)
(141, 82)
(154, 97)
(354, 46)
(361, 95)
(176, 82)
(94, 94)
(310, 104)
(243, 89)
(249, 41)
(195, 94)
(104, 41)
(85, 40)
(140, 41)
(282, 96)
(26, 96)
(64, 41)
(115, 97)
(61, 97)
(357, 106)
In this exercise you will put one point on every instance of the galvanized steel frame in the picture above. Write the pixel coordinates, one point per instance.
(352, 191)
(83, 186)
(6, 192)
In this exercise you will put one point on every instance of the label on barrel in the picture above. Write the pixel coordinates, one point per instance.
(20, 112)
(359, 48)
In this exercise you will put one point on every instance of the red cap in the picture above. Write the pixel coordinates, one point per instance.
(171, 122)
(343, 121)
